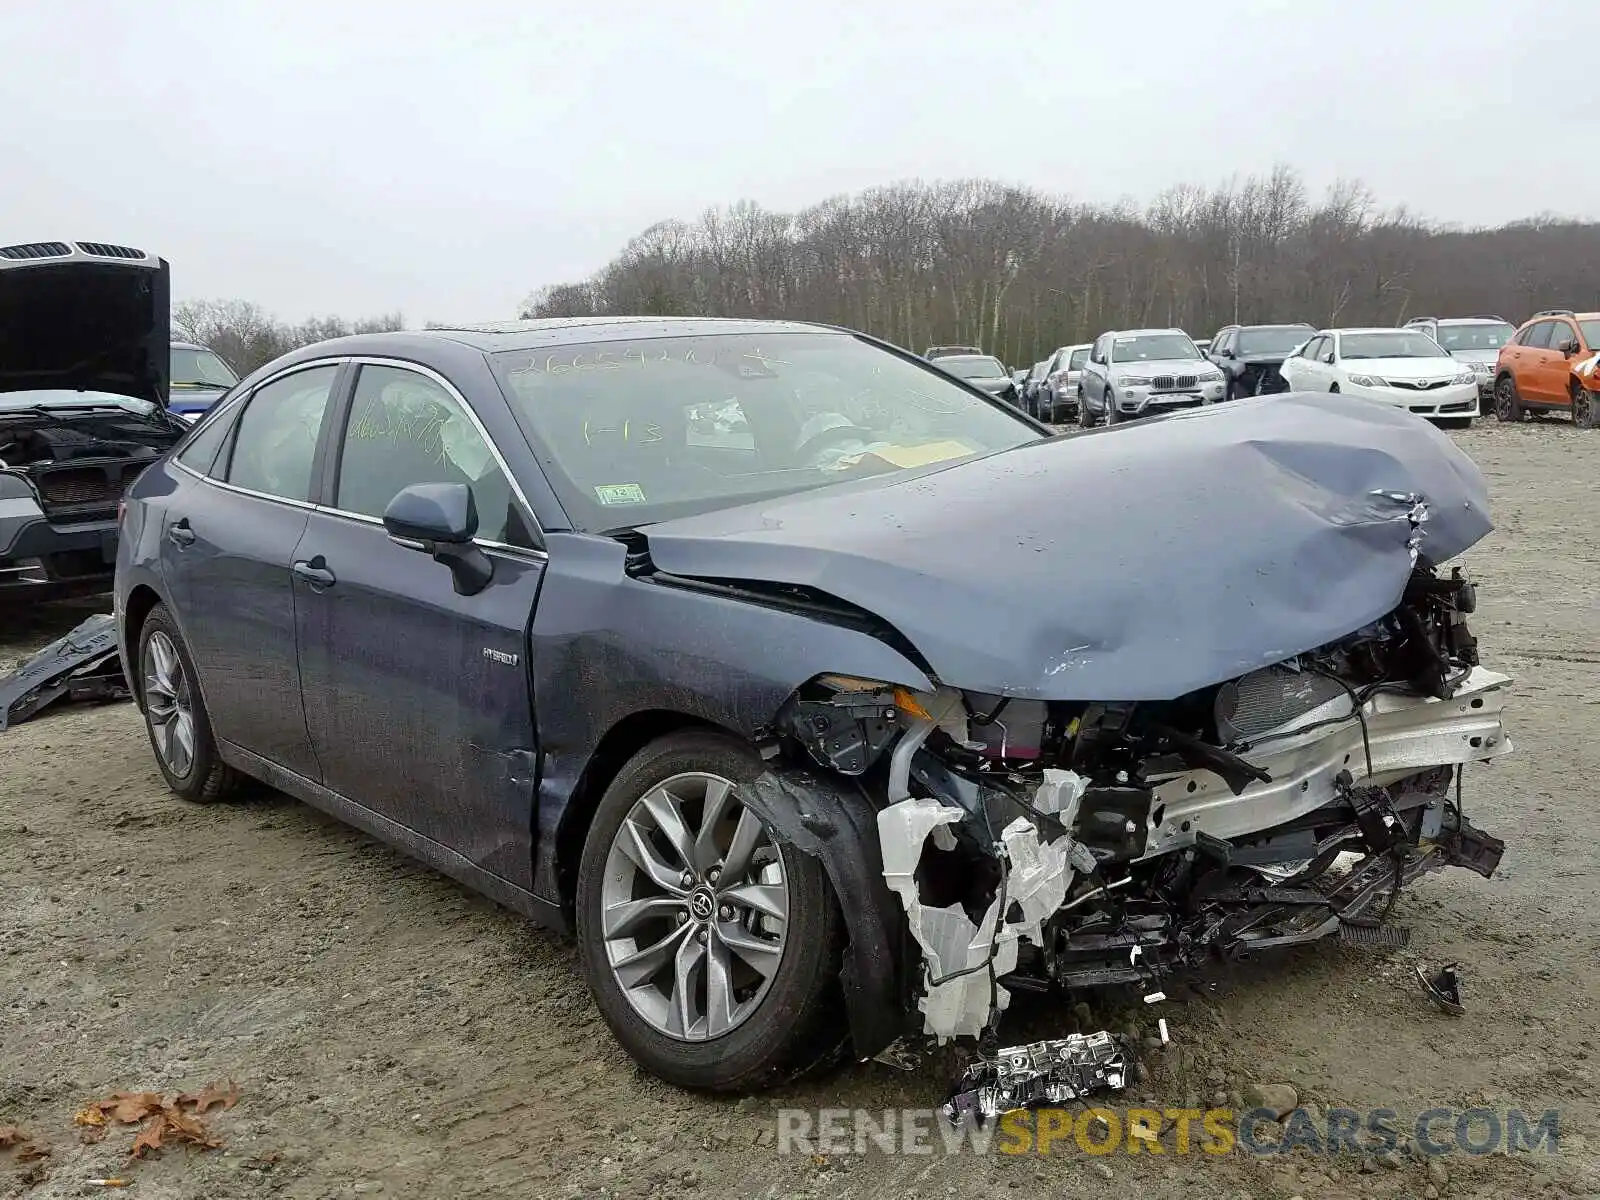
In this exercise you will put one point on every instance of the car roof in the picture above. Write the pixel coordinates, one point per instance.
(1119, 333)
(496, 336)
(176, 345)
(1368, 329)
(1466, 320)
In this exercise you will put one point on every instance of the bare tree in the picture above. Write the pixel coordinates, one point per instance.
(1023, 273)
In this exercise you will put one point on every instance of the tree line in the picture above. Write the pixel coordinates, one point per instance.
(1020, 273)
(247, 336)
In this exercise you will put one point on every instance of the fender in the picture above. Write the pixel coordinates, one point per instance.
(824, 817)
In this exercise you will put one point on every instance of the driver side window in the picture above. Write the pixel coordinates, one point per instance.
(403, 429)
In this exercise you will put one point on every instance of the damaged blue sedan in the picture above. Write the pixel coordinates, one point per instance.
(825, 699)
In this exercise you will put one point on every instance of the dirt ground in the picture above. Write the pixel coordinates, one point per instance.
(393, 1033)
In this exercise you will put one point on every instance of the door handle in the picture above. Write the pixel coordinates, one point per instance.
(315, 572)
(179, 533)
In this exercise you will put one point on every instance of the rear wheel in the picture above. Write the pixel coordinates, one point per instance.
(712, 948)
(1507, 403)
(175, 714)
(1085, 417)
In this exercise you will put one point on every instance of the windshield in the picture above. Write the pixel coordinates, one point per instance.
(1475, 337)
(62, 398)
(200, 368)
(972, 366)
(638, 431)
(1151, 347)
(1079, 357)
(1401, 343)
(1272, 339)
(1591, 333)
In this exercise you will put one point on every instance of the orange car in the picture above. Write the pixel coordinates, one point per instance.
(1550, 367)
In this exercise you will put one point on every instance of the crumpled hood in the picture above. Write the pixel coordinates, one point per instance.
(80, 320)
(1138, 562)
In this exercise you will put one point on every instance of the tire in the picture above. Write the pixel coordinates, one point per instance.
(781, 1028)
(168, 685)
(1085, 416)
(1333, 388)
(1585, 407)
(1109, 403)
(1507, 403)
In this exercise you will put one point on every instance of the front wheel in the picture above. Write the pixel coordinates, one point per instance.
(1585, 407)
(1085, 417)
(175, 713)
(712, 948)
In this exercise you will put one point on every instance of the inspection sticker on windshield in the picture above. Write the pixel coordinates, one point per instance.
(619, 493)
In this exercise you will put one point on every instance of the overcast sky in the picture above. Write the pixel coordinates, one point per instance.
(445, 158)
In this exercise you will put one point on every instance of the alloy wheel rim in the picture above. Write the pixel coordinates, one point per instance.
(168, 704)
(1503, 407)
(694, 908)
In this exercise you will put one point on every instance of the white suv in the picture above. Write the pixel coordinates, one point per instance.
(1140, 372)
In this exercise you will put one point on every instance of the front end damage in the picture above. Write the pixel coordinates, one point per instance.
(982, 844)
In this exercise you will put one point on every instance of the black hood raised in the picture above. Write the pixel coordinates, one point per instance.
(1139, 562)
(84, 316)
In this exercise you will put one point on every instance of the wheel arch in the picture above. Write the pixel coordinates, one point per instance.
(141, 602)
(616, 747)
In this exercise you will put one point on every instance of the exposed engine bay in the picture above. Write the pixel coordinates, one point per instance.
(1259, 378)
(80, 462)
(1067, 844)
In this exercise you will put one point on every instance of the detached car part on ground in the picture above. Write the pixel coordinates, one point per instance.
(825, 756)
(83, 385)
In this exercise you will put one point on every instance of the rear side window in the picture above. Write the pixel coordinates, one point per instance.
(276, 444)
(201, 452)
(405, 428)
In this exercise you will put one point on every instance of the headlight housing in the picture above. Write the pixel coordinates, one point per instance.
(1465, 377)
(1209, 377)
(1367, 381)
(1134, 381)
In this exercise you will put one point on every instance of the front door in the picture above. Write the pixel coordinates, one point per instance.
(418, 699)
(226, 550)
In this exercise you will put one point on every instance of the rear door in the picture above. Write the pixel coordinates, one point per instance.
(231, 530)
(417, 698)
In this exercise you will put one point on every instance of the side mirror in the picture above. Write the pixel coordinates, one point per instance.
(1569, 347)
(1328, 358)
(1228, 353)
(440, 520)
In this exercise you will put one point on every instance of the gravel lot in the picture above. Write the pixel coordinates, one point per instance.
(393, 1033)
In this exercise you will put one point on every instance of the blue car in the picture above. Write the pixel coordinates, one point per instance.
(198, 378)
(778, 666)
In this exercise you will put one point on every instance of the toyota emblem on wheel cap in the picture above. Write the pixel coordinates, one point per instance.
(702, 904)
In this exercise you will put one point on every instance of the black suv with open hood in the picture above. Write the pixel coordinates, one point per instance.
(84, 337)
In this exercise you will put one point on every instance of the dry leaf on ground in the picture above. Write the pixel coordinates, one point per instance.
(129, 1107)
(164, 1122)
(27, 1150)
(212, 1095)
